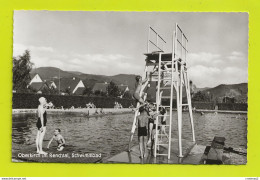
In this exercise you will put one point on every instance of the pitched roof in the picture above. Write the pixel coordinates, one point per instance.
(79, 91)
(122, 87)
(32, 75)
(100, 87)
(103, 87)
(38, 85)
(67, 83)
(49, 82)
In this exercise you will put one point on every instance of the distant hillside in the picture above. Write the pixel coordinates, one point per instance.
(239, 91)
(75, 72)
(88, 79)
(201, 89)
(236, 90)
(51, 72)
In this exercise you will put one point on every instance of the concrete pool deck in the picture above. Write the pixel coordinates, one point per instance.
(188, 147)
(192, 152)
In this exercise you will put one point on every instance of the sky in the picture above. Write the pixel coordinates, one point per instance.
(110, 43)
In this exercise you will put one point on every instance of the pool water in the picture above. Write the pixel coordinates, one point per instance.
(109, 134)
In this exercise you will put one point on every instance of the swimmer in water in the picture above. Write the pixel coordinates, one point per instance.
(59, 139)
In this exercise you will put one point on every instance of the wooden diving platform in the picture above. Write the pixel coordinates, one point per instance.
(155, 56)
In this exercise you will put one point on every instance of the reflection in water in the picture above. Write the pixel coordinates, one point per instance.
(109, 134)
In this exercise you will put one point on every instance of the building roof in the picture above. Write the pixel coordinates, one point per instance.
(67, 83)
(32, 75)
(79, 91)
(100, 87)
(38, 85)
(103, 87)
(49, 82)
(123, 87)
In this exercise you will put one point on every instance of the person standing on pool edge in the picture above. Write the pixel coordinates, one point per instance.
(41, 125)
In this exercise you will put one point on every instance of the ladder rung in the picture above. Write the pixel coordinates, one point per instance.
(152, 64)
(163, 125)
(166, 61)
(162, 144)
(166, 97)
(166, 79)
(165, 88)
(185, 104)
(169, 70)
(165, 106)
(162, 135)
(162, 154)
(164, 115)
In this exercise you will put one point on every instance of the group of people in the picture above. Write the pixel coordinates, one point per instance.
(118, 105)
(41, 128)
(146, 121)
(147, 118)
(90, 105)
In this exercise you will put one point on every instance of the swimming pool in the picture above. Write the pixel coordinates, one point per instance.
(109, 134)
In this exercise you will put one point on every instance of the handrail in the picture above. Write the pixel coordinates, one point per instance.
(156, 44)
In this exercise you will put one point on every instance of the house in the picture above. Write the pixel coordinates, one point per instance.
(123, 88)
(69, 85)
(227, 99)
(51, 84)
(35, 78)
(38, 86)
(72, 85)
(80, 91)
(37, 83)
(102, 87)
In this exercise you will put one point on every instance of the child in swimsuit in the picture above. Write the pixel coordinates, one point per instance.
(152, 111)
(141, 122)
(59, 139)
(163, 120)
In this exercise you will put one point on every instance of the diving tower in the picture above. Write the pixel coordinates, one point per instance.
(169, 71)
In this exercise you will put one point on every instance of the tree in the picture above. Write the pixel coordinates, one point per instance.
(67, 91)
(51, 90)
(54, 90)
(97, 92)
(200, 96)
(127, 95)
(87, 91)
(113, 90)
(45, 90)
(21, 72)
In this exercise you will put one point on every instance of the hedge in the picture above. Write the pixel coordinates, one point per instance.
(232, 106)
(30, 101)
(203, 105)
(221, 106)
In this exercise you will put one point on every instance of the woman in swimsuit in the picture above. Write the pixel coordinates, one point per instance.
(41, 124)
